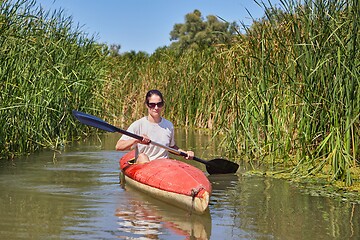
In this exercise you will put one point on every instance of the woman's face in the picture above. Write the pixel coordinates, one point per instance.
(155, 105)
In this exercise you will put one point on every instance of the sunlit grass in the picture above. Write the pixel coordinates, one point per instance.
(47, 68)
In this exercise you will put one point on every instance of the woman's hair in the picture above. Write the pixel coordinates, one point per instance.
(153, 92)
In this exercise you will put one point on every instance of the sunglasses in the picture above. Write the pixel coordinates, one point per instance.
(152, 105)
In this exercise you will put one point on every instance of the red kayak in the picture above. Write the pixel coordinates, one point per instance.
(169, 180)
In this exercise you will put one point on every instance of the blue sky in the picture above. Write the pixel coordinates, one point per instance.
(145, 25)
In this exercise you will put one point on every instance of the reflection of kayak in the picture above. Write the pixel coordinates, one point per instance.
(171, 181)
(146, 217)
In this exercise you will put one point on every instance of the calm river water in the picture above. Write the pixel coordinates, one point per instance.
(77, 195)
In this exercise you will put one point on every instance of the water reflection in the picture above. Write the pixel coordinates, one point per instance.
(45, 199)
(264, 208)
(145, 217)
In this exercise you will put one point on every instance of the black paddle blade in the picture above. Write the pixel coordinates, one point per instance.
(221, 166)
(93, 121)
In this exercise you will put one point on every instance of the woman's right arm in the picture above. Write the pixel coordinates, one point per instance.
(123, 145)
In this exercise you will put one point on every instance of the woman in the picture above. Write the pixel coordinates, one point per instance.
(153, 127)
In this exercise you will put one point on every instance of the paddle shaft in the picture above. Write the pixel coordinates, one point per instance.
(177, 152)
(93, 121)
(172, 150)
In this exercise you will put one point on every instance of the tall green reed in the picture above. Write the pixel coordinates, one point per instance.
(330, 53)
(285, 92)
(48, 67)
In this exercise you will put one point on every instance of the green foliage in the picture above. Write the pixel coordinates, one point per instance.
(196, 33)
(286, 92)
(47, 69)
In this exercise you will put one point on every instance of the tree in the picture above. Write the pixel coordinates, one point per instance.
(196, 33)
(114, 50)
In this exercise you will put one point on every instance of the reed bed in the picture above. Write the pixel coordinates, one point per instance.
(286, 92)
(48, 67)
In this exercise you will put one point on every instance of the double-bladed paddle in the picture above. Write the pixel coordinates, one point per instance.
(215, 166)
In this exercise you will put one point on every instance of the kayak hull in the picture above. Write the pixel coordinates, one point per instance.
(168, 180)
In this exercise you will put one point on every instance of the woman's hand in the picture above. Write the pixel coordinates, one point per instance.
(146, 140)
(190, 155)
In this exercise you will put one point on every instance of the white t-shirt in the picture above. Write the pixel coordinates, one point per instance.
(162, 132)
